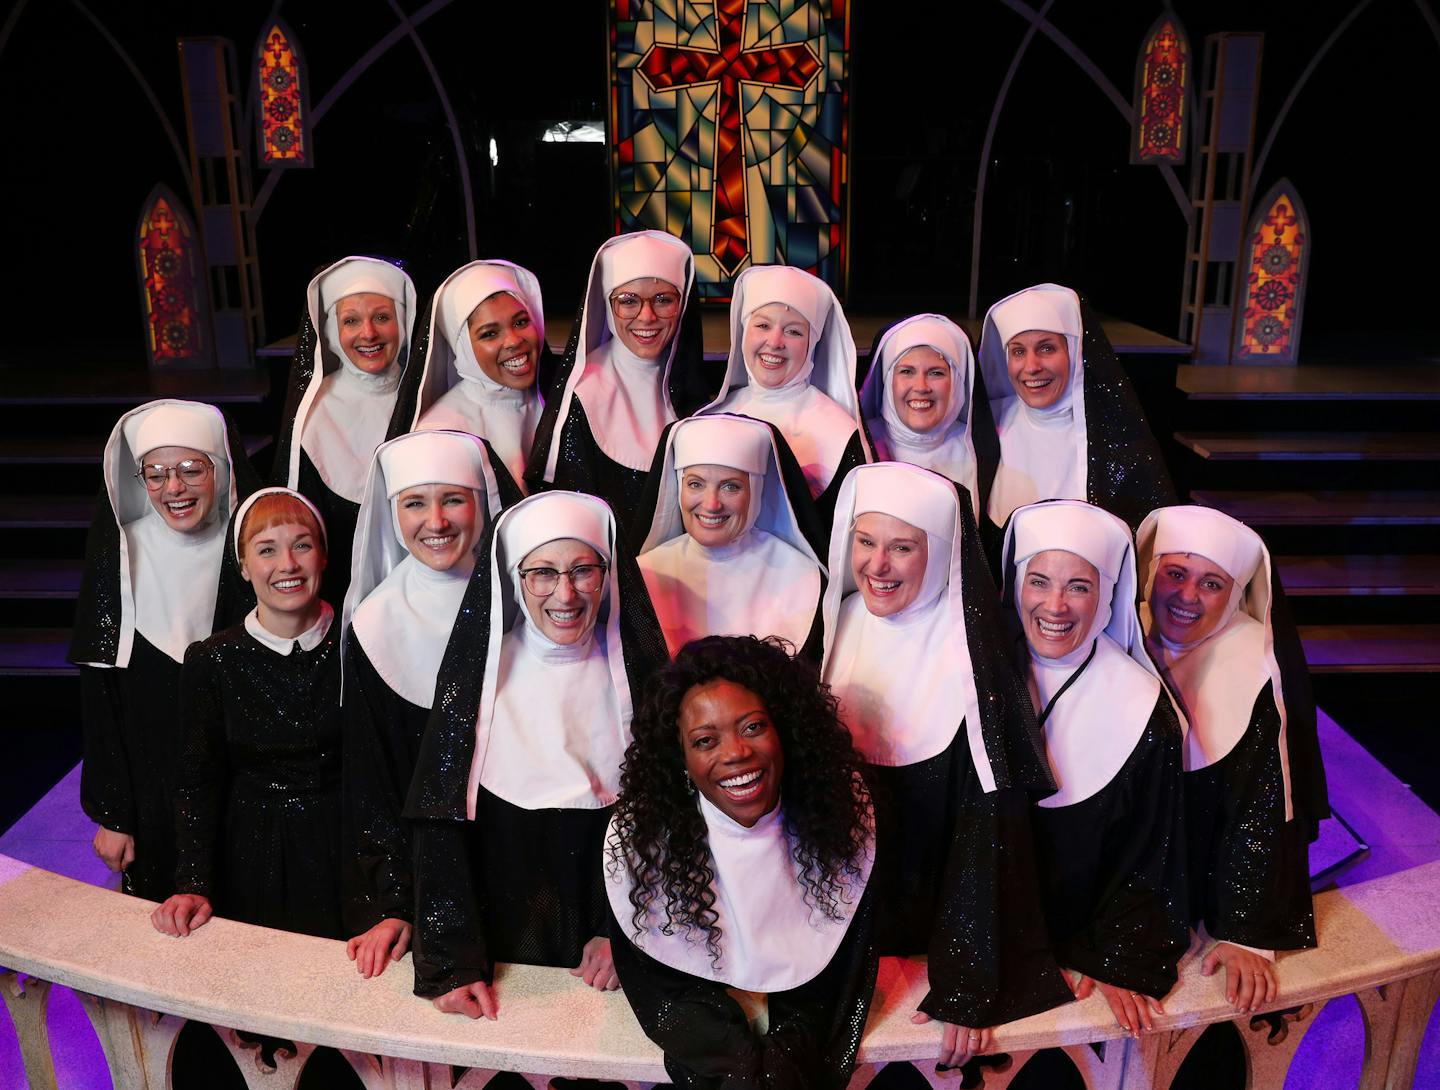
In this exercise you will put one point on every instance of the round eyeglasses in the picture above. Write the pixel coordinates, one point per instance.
(628, 304)
(585, 578)
(191, 471)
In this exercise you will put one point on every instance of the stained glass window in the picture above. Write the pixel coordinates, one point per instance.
(729, 128)
(1272, 293)
(283, 114)
(1162, 80)
(169, 281)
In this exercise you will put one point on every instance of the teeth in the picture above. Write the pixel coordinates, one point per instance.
(287, 584)
(180, 505)
(769, 360)
(883, 588)
(920, 405)
(1036, 383)
(741, 781)
(1054, 628)
(645, 334)
(1185, 616)
(563, 616)
(437, 542)
(517, 363)
(712, 521)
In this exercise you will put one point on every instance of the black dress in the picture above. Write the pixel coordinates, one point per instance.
(258, 799)
(1249, 867)
(814, 1030)
(1112, 868)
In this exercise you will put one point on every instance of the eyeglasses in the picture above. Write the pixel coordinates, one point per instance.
(190, 471)
(627, 304)
(585, 578)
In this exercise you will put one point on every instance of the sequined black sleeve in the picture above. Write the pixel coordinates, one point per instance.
(853, 456)
(382, 734)
(105, 775)
(581, 466)
(1249, 867)
(1113, 868)
(340, 516)
(450, 947)
(814, 1032)
(203, 774)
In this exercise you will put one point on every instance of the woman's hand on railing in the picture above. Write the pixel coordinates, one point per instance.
(387, 941)
(472, 1000)
(1250, 981)
(958, 1044)
(182, 913)
(597, 967)
(1134, 1011)
(116, 850)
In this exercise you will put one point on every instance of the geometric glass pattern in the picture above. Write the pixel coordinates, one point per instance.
(1162, 78)
(169, 285)
(283, 116)
(729, 128)
(1272, 294)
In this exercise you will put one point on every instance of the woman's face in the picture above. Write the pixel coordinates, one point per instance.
(714, 501)
(184, 505)
(1189, 596)
(1039, 364)
(505, 340)
(439, 523)
(369, 332)
(732, 750)
(776, 344)
(1059, 597)
(567, 614)
(921, 385)
(284, 564)
(656, 314)
(887, 559)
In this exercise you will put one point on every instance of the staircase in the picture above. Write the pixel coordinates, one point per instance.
(53, 428)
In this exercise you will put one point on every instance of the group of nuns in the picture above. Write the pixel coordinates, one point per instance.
(695, 681)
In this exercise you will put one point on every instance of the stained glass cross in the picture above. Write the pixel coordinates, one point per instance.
(670, 67)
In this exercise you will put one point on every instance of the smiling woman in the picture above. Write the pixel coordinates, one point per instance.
(739, 857)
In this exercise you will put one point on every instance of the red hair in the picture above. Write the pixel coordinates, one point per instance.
(278, 509)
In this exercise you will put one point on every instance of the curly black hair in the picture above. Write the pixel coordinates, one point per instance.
(660, 834)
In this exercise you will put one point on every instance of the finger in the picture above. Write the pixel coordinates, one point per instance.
(1212, 959)
(1272, 985)
(182, 918)
(612, 984)
(1244, 989)
(161, 920)
(488, 1004)
(202, 915)
(402, 944)
(919, 1018)
(987, 1039)
(128, 855)
(947, 1045)
(1085, 988)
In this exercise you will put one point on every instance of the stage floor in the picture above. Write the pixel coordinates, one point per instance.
(1400, 830)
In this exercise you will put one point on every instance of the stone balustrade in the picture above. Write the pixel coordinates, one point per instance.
(1379, 941)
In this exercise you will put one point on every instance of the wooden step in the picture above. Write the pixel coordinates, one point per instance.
(45, 512)
(1309, 446)
(1320, 576)
(1325, 508)
(34, 652)
(76, 450)
(1378, 649)
(26, 578)
(1251, 382)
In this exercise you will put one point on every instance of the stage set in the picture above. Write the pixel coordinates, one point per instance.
(1228, 185)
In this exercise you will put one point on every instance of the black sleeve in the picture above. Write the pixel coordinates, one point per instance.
(707, 1041)
(825, 502)
(203, 774)
(105, 782)
(990, 959)
(1139, 930)
(450, 944)
(377, 769)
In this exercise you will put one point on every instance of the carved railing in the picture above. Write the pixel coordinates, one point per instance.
(1379, 941)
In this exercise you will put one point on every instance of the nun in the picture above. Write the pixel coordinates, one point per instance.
(484, 359)
(624, 377)
(520, 764)
(174, 472)
(1070, 426)
(914, 652)
(430, 496)
(1110, 841)
(257, 809)
(732, 517)
(1254, 785)
(792, 363)
(738, 868)
(352, 349)
(919, 403)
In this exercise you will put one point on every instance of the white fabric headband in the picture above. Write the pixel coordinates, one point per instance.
(925, 502)
(1211, 534)
(722, 441)
(362, 277)
(471, 288)
(431, 458)
(198, 427)
(276, 491)
(553, 517)
(1037, 309)
(797, 289)
(1089, 533)
(644, 255)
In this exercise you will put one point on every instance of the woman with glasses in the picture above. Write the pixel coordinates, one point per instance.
(174, 472)
(520, 765)
(634, 365)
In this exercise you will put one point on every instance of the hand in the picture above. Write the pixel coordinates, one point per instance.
(1133, 1011)
(116, 850)
(471, 1000)
(958, 1044)
(181, 914)
(1249, 979)
(597, 967)
(387, 941)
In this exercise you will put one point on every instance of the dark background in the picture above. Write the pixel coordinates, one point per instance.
(1062, 203)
